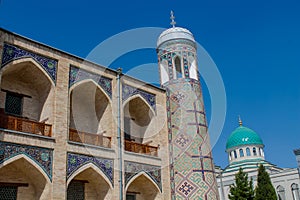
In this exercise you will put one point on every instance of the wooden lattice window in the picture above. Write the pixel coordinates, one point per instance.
(76, 190)
(13, 103)
(130, 196)
(8, 192)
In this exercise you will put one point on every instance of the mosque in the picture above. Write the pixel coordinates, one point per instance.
(72, 129)
(245, 150)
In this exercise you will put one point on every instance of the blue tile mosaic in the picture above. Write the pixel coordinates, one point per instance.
(41, 156)
(129, 91)
(76, 75)
(133, 168)
(75, 161)
(11, 53)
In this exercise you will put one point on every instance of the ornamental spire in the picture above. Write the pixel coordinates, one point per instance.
(172, 19)
(240, 121)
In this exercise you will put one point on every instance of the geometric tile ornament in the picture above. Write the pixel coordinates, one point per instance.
(75, 161)
(11, 53)
(41, 156)
(133, 168)
(192, 170)
(129, 91)
(76, 75)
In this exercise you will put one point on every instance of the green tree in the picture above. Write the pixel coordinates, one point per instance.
(264, 189)
(242, 189)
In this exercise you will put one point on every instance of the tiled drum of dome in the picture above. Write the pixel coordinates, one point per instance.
(192, 172)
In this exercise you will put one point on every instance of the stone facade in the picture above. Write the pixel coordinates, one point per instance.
(67, 130)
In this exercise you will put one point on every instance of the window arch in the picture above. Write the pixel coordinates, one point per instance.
(295, 191)
(254, 151)
(177, 62)
(248, 151)
(280, 192)
(241, 153)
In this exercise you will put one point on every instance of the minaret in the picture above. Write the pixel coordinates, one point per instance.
(191, 165)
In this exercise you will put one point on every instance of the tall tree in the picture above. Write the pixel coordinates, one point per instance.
(264, 189)
(242, 189)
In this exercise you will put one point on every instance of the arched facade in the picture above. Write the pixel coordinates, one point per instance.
(141, 187)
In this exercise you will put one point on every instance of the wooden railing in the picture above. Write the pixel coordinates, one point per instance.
(140, 148)
(89, 138)
(25, 125)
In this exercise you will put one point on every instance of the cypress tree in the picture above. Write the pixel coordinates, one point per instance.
(264, 189)
(242, 189)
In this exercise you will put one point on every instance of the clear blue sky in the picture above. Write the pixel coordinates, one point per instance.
(255, 45)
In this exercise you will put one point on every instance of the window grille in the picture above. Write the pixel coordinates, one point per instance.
(8, 192)
(13, 104)
(75, 190)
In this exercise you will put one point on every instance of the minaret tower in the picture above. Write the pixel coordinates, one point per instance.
(191, 166)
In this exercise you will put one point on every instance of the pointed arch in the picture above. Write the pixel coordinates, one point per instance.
(29, 161)
(25, 60)
(87, 81)
(147, 176)
(142, 98)
(94, 168)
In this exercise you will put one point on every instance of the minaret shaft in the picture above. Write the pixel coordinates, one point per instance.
(191, 165)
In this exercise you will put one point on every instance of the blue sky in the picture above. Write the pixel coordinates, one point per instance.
(255, 45)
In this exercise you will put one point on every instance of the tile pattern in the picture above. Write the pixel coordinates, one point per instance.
(41, 156)
(133, 168)
(192, 170)
(129, 91)
(75, 161)
(11, 53)
(76, 75)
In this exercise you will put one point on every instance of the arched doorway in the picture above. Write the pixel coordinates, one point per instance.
(141, 187)
(90, 115)
(26, 97)
(89, 183)
(21, 178)
(137, 123)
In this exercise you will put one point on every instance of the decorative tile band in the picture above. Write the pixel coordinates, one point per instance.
(11, 53)
(191, 165)
(75, 161)
(129, 91)
(133, 168)
(76, 75)
(41, 156)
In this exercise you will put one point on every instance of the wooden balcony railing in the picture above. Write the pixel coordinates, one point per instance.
(140, 148)
(89, 138)
(25, 125)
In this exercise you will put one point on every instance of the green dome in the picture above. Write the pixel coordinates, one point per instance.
(243, 136)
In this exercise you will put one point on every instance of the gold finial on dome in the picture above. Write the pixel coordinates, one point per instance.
(240, 121)
(172, 19)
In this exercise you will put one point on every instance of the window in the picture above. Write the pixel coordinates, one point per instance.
(254, 151)
(235, 154)
(280, 192)
(178, 67)
(248, 152)
(241, 153)
(75, 190)
(130, 197)
(13, 103)
(8, 192)
(295, 191)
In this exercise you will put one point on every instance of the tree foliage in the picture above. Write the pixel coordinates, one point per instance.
(264, 189)
(242, 189)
